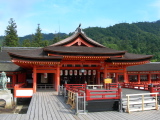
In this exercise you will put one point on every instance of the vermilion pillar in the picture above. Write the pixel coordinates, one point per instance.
(125, 76)
(105, 71)
(139, 79)
(116, 75)
(14, 80)
(149, 78)
(34, 79)
(57, 77)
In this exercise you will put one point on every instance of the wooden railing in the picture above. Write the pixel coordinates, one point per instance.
(95, 86)
(103, 94)
(136, 86)
(155, 89)
(142, 102)
(21, 92)
(111, 85)
(94, 94)
(45, 86)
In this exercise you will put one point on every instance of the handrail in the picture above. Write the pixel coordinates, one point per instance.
(45, 86)
(20, 92)
(95, 86)
(142, 102)
(90, 93)
(136, 86)
(103, 94)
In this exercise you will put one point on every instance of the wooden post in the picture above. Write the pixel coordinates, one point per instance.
(139, 79)
(57, 77)
(125, 76)
(105, 72)
(149, 78)
(14, 80)
(116, 77)
(34, 79)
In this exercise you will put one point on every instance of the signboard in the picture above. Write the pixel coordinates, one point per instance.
(108, 80)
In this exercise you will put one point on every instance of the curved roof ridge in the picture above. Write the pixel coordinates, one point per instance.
(77, 32)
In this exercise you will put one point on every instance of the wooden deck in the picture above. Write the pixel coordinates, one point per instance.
(49, 106)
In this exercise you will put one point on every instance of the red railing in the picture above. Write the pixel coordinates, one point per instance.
(77, 88)
(113, 93)
(136, 86)
(21, 92)
(9, 85)
(111, 85)
(103, 94)
(155, 89)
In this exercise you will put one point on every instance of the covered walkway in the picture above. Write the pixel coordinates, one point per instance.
(49, 106)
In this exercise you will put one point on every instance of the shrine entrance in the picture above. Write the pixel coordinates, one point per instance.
(45, 80)
(78, 77)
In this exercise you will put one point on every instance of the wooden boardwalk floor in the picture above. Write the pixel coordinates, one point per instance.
(50, 106)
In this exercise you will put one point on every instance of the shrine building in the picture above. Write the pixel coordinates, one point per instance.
(75, 60)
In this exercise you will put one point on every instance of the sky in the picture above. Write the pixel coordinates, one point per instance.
(65, 15)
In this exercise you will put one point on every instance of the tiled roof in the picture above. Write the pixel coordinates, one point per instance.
(77, 50)
(75, 35)
(8, 67)
(131, 57)
(153, 66)
(33, 54)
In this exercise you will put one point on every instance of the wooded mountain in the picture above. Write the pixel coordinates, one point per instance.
(139, 38)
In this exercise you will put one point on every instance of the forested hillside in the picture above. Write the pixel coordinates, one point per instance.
(139, 38)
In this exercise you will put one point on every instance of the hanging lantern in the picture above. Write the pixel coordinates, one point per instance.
(80, 73)
(66, 72)
(75, 72)
(45, 75)
(89, 72)
(61, 72)
(85, 72)
(70, 72)
(94, 72)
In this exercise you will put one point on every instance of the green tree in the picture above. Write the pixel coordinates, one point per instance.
(11, 38)
(26, 43)
(37, 38)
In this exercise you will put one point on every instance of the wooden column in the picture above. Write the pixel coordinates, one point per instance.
(139, 79)
(149, 78)
(34, 79)
(55, 80)
(125, 75)
(57, 77)
(116, 77)
(105, 71)
(13, 80)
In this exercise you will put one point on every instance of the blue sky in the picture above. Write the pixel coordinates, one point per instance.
(65, 15)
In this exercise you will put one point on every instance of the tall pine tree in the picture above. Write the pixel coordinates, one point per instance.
(37, 39)
(11, 38)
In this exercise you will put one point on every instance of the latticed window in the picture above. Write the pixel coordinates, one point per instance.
(133, 78)
(144, 77)
(154, 77)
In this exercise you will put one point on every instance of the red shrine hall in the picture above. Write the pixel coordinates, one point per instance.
(75, 60)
